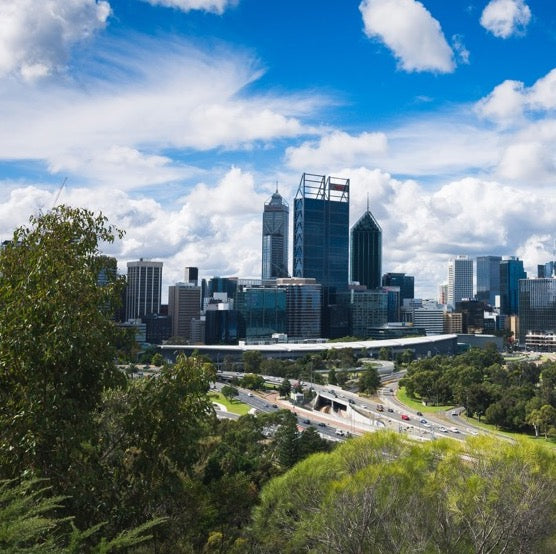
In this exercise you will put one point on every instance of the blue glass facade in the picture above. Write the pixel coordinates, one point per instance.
(262, 312)
(488, 278)
(366, 251)
(511, 271)
(537, 307)
(321, 230)
(275, 238)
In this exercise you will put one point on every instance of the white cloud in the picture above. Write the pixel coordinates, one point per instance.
(36, 36)
(408, 29)
(506, 18)
(504, 104)
(511, 100)
(213, 6)
(528, 161)
(337, 149)
(164, 95)
(461, 51)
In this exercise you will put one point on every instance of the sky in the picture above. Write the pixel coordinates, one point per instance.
(177, 119)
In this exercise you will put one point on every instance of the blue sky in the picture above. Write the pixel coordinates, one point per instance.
(176, 119)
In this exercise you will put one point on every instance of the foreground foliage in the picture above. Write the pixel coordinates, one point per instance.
(384, 493)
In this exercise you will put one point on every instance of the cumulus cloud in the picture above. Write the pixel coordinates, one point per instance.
(509, 100)
(212, 6)
(336, 149)
(506, 18)
(164, 95)
(408, 29)
(532, 161)
(36, 37)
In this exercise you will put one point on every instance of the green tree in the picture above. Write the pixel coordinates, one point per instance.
(543, 420)
(369, 379)
(252, 360)
(158, 360)
(252, 381)
(229, 392)
(57, 341)
(285, 387)
(332, 378)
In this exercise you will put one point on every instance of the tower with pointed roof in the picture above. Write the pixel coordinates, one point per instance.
(275, 237)
(366, 251)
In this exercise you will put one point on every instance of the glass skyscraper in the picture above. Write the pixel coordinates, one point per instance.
(488, 278)
(366, 251)
(321, 230)
(511, 271)
(275, 238)
(537, 308)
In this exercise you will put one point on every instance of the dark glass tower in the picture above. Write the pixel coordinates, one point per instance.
(366, 251)
(321, 230)
(275, 238)
(511, 271)
(488, 278)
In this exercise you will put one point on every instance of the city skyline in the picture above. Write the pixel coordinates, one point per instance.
(177, 119)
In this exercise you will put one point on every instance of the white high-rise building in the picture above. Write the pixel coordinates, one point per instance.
(144, 287)
(460, 280)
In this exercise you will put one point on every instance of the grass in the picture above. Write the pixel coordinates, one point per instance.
(550, 442)
(417, 405)
(234, 406)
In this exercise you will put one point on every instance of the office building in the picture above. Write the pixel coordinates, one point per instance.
(367, 310)
(321, 243)
(511, 271)
(262, 312)
(430, 317)
(472, 316)
(321, 230)
(460, 280)
(366, 251)
(546, 270)
(184, 305)
(275, 238)
(303, 308)
(406, 284)
(144, 286)
(537, 313)
(488, 278)
(192, 275)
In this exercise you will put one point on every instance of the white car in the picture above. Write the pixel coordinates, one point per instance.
(454, 429)
(443, 429)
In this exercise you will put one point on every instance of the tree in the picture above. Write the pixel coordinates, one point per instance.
(252, 360)
(285, 387)
(385, 493)
(543, 420)
(158, 360)
(229, 392)
(252, 381)
(369, 379)
(332, 378)
(57, 341)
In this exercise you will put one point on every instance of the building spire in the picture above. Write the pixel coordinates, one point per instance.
(276, 186)
(367, 201)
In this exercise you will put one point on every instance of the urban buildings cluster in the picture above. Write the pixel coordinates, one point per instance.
(337, 287)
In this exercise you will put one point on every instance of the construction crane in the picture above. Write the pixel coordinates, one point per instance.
(58, 193)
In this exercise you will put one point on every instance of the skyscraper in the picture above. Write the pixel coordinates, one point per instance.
(511, 271)
(405, 282)
(321, 230)
(366, 251)
(537, 312)
(488, 278)
(144, 286)
(460, 280)
(192, 275)
(275, 238)
(184, 305)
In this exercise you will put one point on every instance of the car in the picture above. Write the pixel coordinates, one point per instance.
(405, 417)
(420, 414)
(391, 410)
(454, 429)
(306, 421)
(275, 405)
(351, 401)
(340, 432)
(454, 413)
(443, 429)
(423, 420)
(379, 408)
(249, 394)
(321, 424)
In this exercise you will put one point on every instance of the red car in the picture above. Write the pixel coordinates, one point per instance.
(405, 417)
